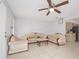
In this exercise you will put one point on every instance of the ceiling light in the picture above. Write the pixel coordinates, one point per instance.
(51, 9)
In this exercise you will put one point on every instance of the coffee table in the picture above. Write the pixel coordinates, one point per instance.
(41, 40)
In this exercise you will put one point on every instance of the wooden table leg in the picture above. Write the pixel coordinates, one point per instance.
(47, 42)
(38, 42)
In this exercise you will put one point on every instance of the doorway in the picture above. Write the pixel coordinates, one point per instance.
(70, 36)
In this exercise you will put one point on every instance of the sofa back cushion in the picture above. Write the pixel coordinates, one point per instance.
(57, 35)
(35, 35)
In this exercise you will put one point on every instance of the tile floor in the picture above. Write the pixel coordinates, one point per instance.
(50, 51)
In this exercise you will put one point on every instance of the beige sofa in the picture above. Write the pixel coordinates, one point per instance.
(34, 37)
(17, 45)
(57, 38)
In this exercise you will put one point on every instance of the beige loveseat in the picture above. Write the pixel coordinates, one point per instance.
(34, 37)
(57, 38)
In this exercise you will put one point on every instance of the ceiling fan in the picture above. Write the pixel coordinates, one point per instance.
(53, 7)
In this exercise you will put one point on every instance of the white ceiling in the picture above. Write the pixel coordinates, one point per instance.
(29, 9)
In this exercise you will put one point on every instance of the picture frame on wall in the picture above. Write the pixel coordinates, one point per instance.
(60, 20)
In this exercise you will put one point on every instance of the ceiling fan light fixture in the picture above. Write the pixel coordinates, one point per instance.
(51, 9)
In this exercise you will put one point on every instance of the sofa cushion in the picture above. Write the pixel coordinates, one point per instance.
(12, 38)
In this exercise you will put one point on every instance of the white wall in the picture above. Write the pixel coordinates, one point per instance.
(23, 26)
(10, 18)
(2, 31)
(6, 21)
(9, 23)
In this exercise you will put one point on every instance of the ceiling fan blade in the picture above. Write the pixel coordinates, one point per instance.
(48, 13)
(57, 11)
(63, 3)
(42, 9)
(50, 3)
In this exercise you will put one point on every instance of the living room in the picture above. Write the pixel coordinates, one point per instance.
(24, 18)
